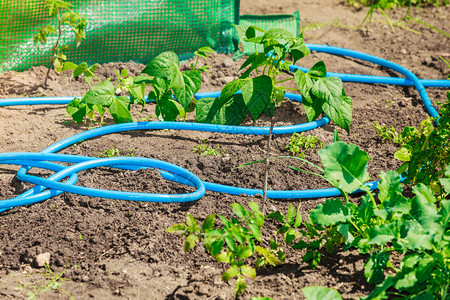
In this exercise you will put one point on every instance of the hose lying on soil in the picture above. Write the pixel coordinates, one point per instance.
(49, 187)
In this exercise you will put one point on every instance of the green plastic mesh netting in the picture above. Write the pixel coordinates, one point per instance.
(124, 30)
(117, 30)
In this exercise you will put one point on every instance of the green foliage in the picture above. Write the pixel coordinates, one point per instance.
(299, 144)
(66, 18)
(417, 227)
(320, 293)
(205, 149)
(162, 74)
(426, 154)
(388, 4)
(261, 91)
(390, 134)
(233, 243)
(112, 152)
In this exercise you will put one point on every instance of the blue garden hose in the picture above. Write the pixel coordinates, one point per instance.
(49, 187)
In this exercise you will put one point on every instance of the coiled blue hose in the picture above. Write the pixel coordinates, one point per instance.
(46, 188)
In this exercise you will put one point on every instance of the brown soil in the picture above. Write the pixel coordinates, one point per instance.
(119, 249)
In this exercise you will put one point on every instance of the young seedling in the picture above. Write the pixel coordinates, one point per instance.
(205, 149)
(66, 18)
(299, 144)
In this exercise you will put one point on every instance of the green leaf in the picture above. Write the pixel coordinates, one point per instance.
(298, 51)
(210, 110)
(78, 109)
(375, 266)
(318, 70)
(216, 247)
(419, 241)
(256, 231)
(89, 74)
(380, 290)
(244, 252)
(120, 109)
(382, 234)
(192, 82)
(403, 154)
(80, 69)
(209, 222)
(102, 94)
(320, 293)
(230, 273)
(248, 271)
(190, 241)
(345, 165)
(69, 66)
(330, 213)
(271, 259)
(256, 94)
(298, 218)
(445, 212)
(424, 210)
(446, 181)
(167, 108)
(336, 104)
(290, 214)
(254, 207)
(179, 228)
(304, 83)
(240, 286)
(231, 88)
(390, 186)
(276, 215)
(225, 257)
(165, 65)
(192, 224)
(238, 209)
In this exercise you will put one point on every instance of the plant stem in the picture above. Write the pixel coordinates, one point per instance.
(54, 49)
(266, 169)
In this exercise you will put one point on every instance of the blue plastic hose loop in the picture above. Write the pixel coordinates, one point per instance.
(83, 163)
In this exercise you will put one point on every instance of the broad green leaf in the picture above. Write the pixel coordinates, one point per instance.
(255, 60)
(375, 266)
(120, 110)
(101, 94)
(256, 231)
(403, 154)
(165, 65)
(190, 241)
(337, 105)
(304, 83)
(137, 93)
(254, 207)
(290, 235)
(290, 214)
(390, 186)
(69, 66)
(166, 109)
(244, 252)
(192, 224)
(192, 82)
(380, 290)
(276, 215)
(256, 94)
(277, 33)
(225, 257)
(216, 247)
(78, 109)
(251, 31)
(406, 278)
(298, 51)
(444, 212)
(80, 69)
(320, 293)
(209, 222)
(330, 213)
(231, 88)
(345, 165)
(424, 211)
(318, 70)
(225, 221)
(419, 241)
(238, 209)
(446, 181)
(210, 110)
(143, 78)
(248, 271)
(239, 286)
(382, 234)
(366, 210)
(230, 273)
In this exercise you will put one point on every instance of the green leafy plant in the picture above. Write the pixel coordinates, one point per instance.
(205, 149)
(299, 143)
(162, 74)
(66, 18)
(262, 91)
(52, 281)
(417, 227)
(320, 293)
(233, 243)
(426, 154)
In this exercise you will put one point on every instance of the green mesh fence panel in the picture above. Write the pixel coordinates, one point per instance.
(290, 23)
(118, 30)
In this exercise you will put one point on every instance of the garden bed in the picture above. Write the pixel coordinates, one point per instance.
(111, 248)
